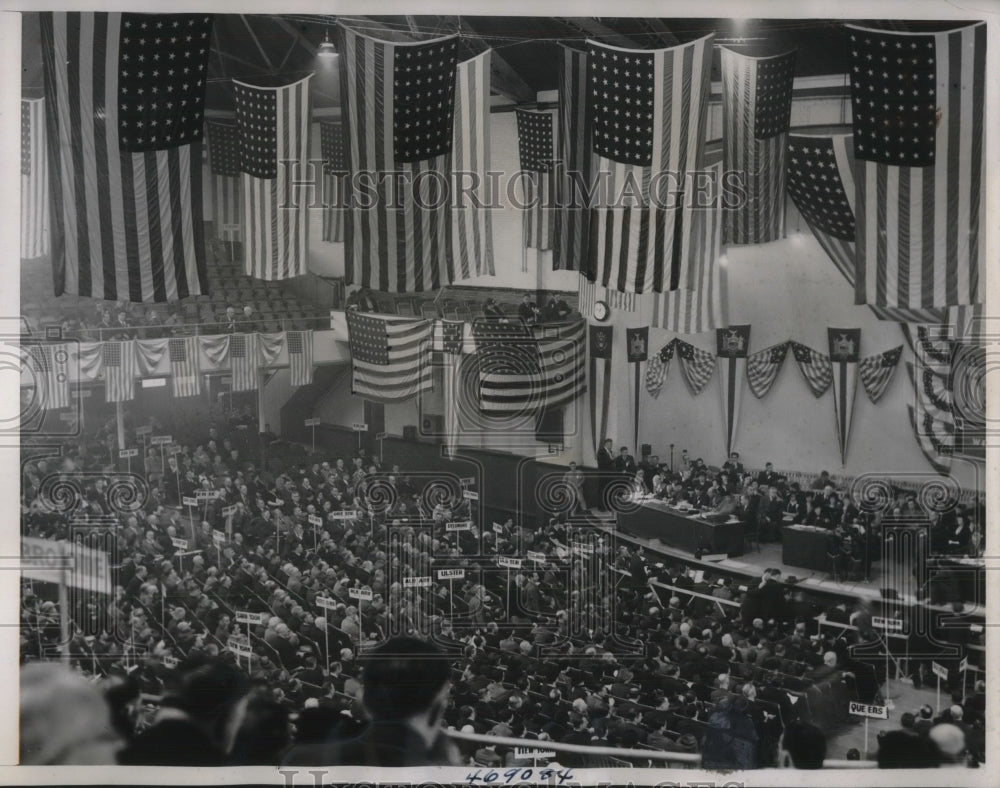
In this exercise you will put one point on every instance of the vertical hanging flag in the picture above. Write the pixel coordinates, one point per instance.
(917, 101)
(227, 190)
(535, 148)
(756, 110)
(600, 381)
(931, 415)
(657, 368)
(390, 356)
(300, 357)
(184, 367)
(398, 109)
(700, 302)
(733, 346)
(51, 380)
(876, 372)
(449, 340)
(821, 184)
(647, 108)
(125, 137)
(34, 180)
(637, 344)
(472, 219)
(331, 142)
(696, 364)
(118, 368)
(573, 173)
(274, 153)
(845, 347)
(243, 361)
(815, 367)
(763, 368)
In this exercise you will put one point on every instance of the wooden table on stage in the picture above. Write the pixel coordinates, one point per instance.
(804, 546)
(656, 520)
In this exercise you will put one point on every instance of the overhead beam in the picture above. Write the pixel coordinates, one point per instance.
(596, 29)
(296, 34)
(260, 49)
(504, 79)
(657, 27)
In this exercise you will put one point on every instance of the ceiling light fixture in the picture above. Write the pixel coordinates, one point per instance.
(326, 49)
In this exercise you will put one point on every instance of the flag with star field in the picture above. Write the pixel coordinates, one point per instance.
(390, 356)
(647, 112)
(224, 158)
(917, 109)
(125, 97)
(34, 180)
(331, 140)
(756, 109)
(399, 111)
(274, 151)
(821, 184)
(535, 146)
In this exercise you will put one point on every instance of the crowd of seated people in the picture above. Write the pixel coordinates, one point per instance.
(540, 651)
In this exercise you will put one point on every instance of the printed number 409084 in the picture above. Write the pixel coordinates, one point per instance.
(497, 777)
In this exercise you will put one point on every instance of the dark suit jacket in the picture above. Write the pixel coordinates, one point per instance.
(385, 743)
(605, 460)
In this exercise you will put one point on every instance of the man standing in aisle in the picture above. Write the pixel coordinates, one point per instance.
(573, 479)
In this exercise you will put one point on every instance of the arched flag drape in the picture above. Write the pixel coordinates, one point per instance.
(733, 344)
(845, 344)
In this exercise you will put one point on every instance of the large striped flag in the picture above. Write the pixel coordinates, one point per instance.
(331, 140)
(756, 110)
(243, 362)
(300, 357)
(118, 369)
(657, 368)
(524, 369)
(472, 223)
(51, 380)
(821, 184)
(536, 155)
(227, 189)
(815, 367)
(274, 152)
(648, 114)
(390, 356)
(700, 302)
(34, 180)
(573, 175)
(763, 368)
(876, 372)
(184, 368)
(732, 348)
(845, 347)
(449, 340)
(917, 103)
(696, 364)
(124, 136)
(398, 106)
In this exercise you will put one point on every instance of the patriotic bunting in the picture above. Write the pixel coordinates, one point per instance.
(876, 372)
(657, 368)
(127, 218)
(390, 356)
(845, 345)
(184, 370)
(763, 368)
(732, 347)
(756, 109)
(697, 365)
(920, 162)
(816, 368)
(273, 125)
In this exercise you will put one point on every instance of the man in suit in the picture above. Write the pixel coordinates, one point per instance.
(733, 466)
(527, 310)
(406, 685)
(768, 476)
(625, 463)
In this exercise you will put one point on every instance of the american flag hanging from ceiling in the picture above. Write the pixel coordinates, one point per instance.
(125, 98)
